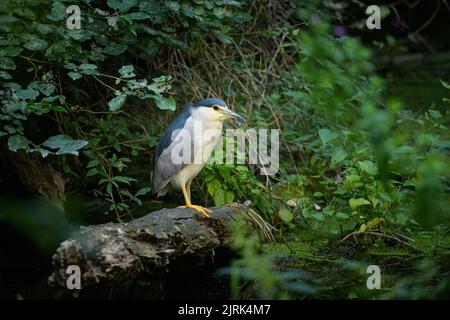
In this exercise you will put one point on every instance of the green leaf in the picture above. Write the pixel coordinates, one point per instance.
(355, 203)
(187, 10)
(44, 152)
(112, 21)
(92, 172)
(79, 35)
(6, 19)
(123, 179)
(157, 14)
(172, 5)
(109, 189)
(338, 156)
(5, 75)
(117, 102)
(121, 5)
(363, 228)
(47, 88)
(28, 94)
(445, 84)
(176, 43)
(56, 142)
(318, 216)
(225, 39)
(58, 12)
(44, 28)
(286, 215)
(74, 75)
(327, 136)
(298, 95)
(72, 147)
(70, 65)
(36, 44)
(143, 191)
(102, 181)
(64, 144)
(92, 163)
(318, 194)
(229, 197)
(342, 216)
(166, 103)
(368, 166)
(138, 16)
(17, 142)
(219, 12)
(10, 51)
(7, 63)
(88, 68)
(219, 197)
(127, 71)
(18, 106)
(115, 49)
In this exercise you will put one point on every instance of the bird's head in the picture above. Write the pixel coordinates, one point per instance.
(213, 109)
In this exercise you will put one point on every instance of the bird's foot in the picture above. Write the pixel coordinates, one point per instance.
(200, 209)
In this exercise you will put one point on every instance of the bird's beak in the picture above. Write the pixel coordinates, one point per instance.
(233, 115)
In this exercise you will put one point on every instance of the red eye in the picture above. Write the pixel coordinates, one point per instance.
(216, 108)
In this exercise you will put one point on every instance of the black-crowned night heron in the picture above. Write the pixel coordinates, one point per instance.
(186, 146)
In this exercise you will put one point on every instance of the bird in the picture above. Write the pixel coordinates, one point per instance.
(186, 145)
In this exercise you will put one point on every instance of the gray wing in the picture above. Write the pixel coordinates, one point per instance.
(164, 172)
(165, 169)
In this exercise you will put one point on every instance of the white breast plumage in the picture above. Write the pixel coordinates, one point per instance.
(205, 136)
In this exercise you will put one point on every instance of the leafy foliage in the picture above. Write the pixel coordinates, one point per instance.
(82, 80)
(93, 101)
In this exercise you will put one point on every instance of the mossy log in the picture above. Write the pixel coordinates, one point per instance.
(111, 253)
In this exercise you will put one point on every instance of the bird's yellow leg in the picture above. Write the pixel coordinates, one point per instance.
(188, 190)
(187, 198)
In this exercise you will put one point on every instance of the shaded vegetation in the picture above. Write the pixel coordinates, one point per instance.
(364, 144)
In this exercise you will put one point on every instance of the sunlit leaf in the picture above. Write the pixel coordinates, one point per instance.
(117, 102)
(166, 103)
(17, 142)
(355, 203)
